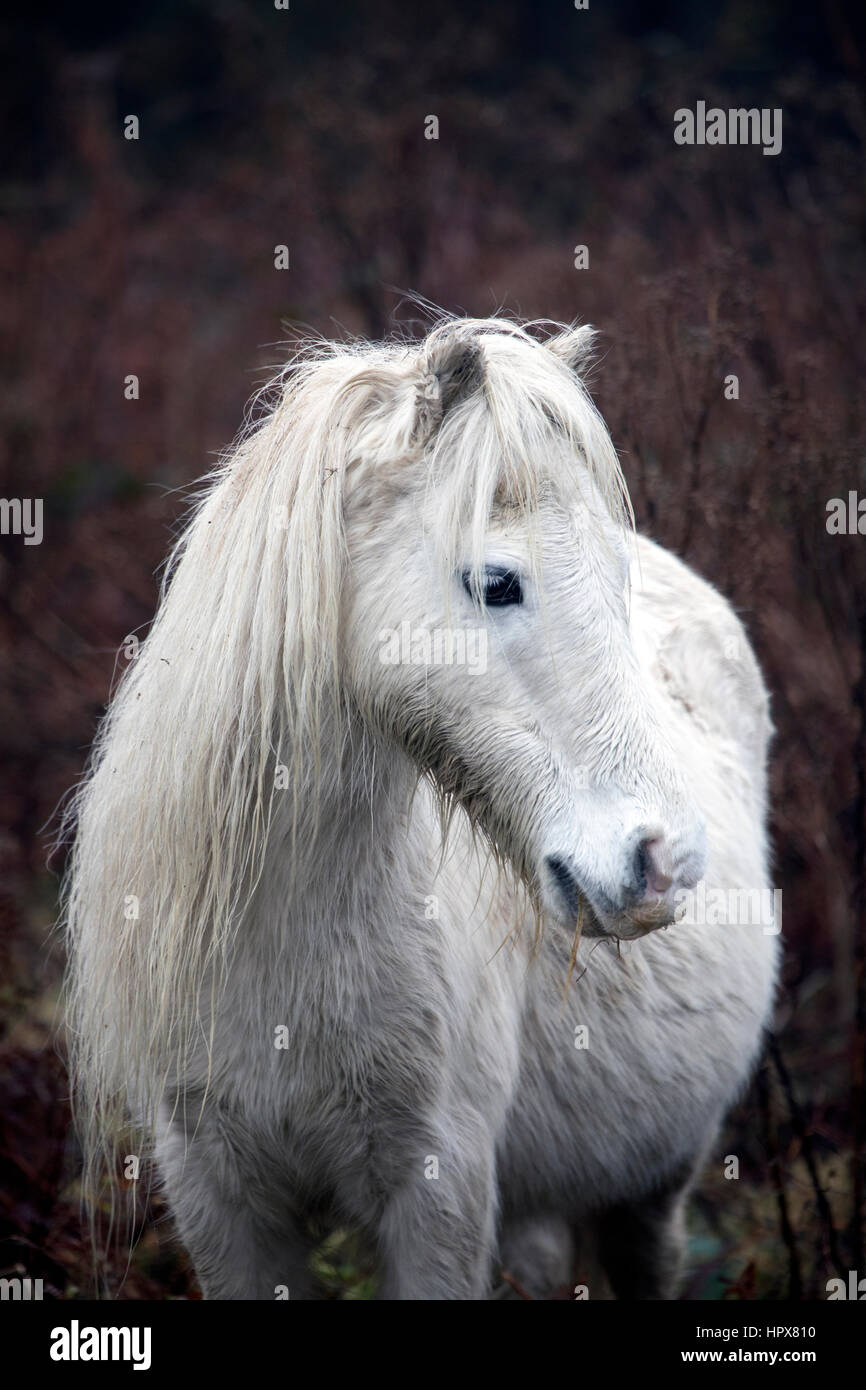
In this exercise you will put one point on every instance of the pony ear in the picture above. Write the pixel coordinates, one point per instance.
(574, 347)
(453, 370)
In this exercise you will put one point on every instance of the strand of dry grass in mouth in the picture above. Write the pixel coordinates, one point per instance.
(575, 944)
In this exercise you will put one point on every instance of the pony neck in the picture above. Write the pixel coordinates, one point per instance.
(352, 852)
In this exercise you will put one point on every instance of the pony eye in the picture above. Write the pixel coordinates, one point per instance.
(499, 587)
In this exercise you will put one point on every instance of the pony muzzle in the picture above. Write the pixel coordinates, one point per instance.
(657, 868)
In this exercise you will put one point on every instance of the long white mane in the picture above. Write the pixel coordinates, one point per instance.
(241, 670)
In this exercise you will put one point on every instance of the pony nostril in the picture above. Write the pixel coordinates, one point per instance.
(651, 867)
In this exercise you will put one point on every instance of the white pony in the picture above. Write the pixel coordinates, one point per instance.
(363, 935)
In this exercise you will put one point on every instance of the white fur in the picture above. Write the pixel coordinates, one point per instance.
(392, 905)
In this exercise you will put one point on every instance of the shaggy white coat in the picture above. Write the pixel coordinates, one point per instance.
(284, 839)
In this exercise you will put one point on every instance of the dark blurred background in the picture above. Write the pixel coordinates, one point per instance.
(305, 127)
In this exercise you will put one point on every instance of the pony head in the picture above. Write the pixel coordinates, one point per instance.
(484, 618)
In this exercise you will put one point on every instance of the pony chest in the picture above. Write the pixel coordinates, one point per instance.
(339, 1032)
